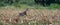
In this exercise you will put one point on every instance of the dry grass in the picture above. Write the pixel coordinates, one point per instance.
(10, 16)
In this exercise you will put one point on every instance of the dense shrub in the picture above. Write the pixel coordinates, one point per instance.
(47, 2)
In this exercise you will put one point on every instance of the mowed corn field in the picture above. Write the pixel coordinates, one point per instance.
(10, 16)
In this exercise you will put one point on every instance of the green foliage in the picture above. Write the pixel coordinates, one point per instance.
(54, 6)
(1, 23)
(8, 2)
(27, 4)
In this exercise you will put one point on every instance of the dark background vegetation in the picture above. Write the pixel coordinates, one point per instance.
(27, 3)
(10, 2)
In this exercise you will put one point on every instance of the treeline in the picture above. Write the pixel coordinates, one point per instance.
(10, 2)
(47, 2)
(29, 2)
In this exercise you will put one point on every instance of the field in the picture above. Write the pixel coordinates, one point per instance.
(10, 13)
(10, 16)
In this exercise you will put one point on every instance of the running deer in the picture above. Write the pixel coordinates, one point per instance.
(23, 13)
(17, 19)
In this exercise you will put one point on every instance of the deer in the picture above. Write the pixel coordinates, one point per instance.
(18, 18)
(24, 13)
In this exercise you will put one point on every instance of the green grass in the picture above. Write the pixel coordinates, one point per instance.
(35, 6)
(31, 4)
(59, 23)
(31, 23)
(54, 6)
